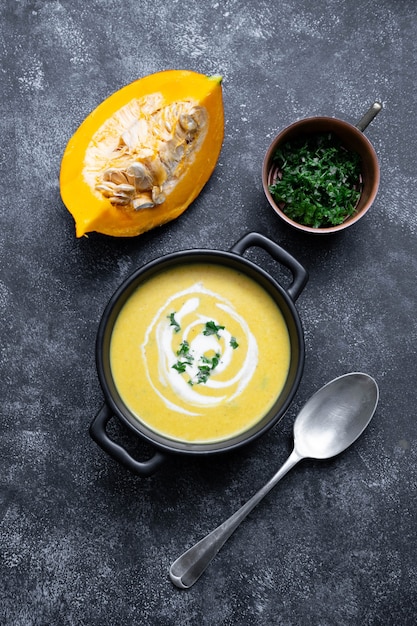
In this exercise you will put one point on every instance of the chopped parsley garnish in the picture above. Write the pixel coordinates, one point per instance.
(173, 322)
(318, 183)
(205, 368)
(204, 364)
(212, 328)
(202, 375)
(233, 343)
(212, 362)
(184, 349)
(180, 366)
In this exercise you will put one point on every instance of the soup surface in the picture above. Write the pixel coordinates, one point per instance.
(199, 352)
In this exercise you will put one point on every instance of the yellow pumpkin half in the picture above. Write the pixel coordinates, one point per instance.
(144, 154)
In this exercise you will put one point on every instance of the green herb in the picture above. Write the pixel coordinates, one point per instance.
(206, 364)
(233, 343)
(212, 328)
(173, 322)
(180, 366)
(205, 368)
(203, 373)
(184, 350)
(318, 181)
(212, 362)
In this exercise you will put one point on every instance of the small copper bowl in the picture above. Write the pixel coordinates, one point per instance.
(353, 139)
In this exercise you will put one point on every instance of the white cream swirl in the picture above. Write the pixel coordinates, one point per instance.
(191, 315)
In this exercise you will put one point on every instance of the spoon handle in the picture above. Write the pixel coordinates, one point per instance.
(187, 569)
(369, 116)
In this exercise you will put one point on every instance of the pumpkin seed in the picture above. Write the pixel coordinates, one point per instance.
(158, 196)
(106, 189)
(119, 200)
(142, 202)
(188, 122)
(129, 190)
(114, 175)
(142, 176)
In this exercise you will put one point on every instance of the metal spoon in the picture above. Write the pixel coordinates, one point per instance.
(331, 420)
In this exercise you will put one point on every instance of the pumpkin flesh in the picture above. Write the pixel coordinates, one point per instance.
(144, 154)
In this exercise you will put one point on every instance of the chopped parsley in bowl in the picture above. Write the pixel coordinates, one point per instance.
(318, 181)
(320, 174)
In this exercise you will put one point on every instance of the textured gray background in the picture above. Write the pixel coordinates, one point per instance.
(83, 541)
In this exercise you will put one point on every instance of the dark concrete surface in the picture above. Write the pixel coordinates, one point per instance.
(82, 540)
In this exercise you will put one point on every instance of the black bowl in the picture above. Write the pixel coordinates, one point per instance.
(114, 404)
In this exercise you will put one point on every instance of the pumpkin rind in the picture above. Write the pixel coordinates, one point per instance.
(93, 212)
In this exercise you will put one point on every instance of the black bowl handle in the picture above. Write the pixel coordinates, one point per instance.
(300, 274)
(116, 451)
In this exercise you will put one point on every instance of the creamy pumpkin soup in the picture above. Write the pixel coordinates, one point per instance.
(199, 353)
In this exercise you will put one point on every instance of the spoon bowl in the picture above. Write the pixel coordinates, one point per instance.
(332, 419)
(325, 427)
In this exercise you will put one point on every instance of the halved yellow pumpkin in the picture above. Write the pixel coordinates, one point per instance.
(144, 154)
